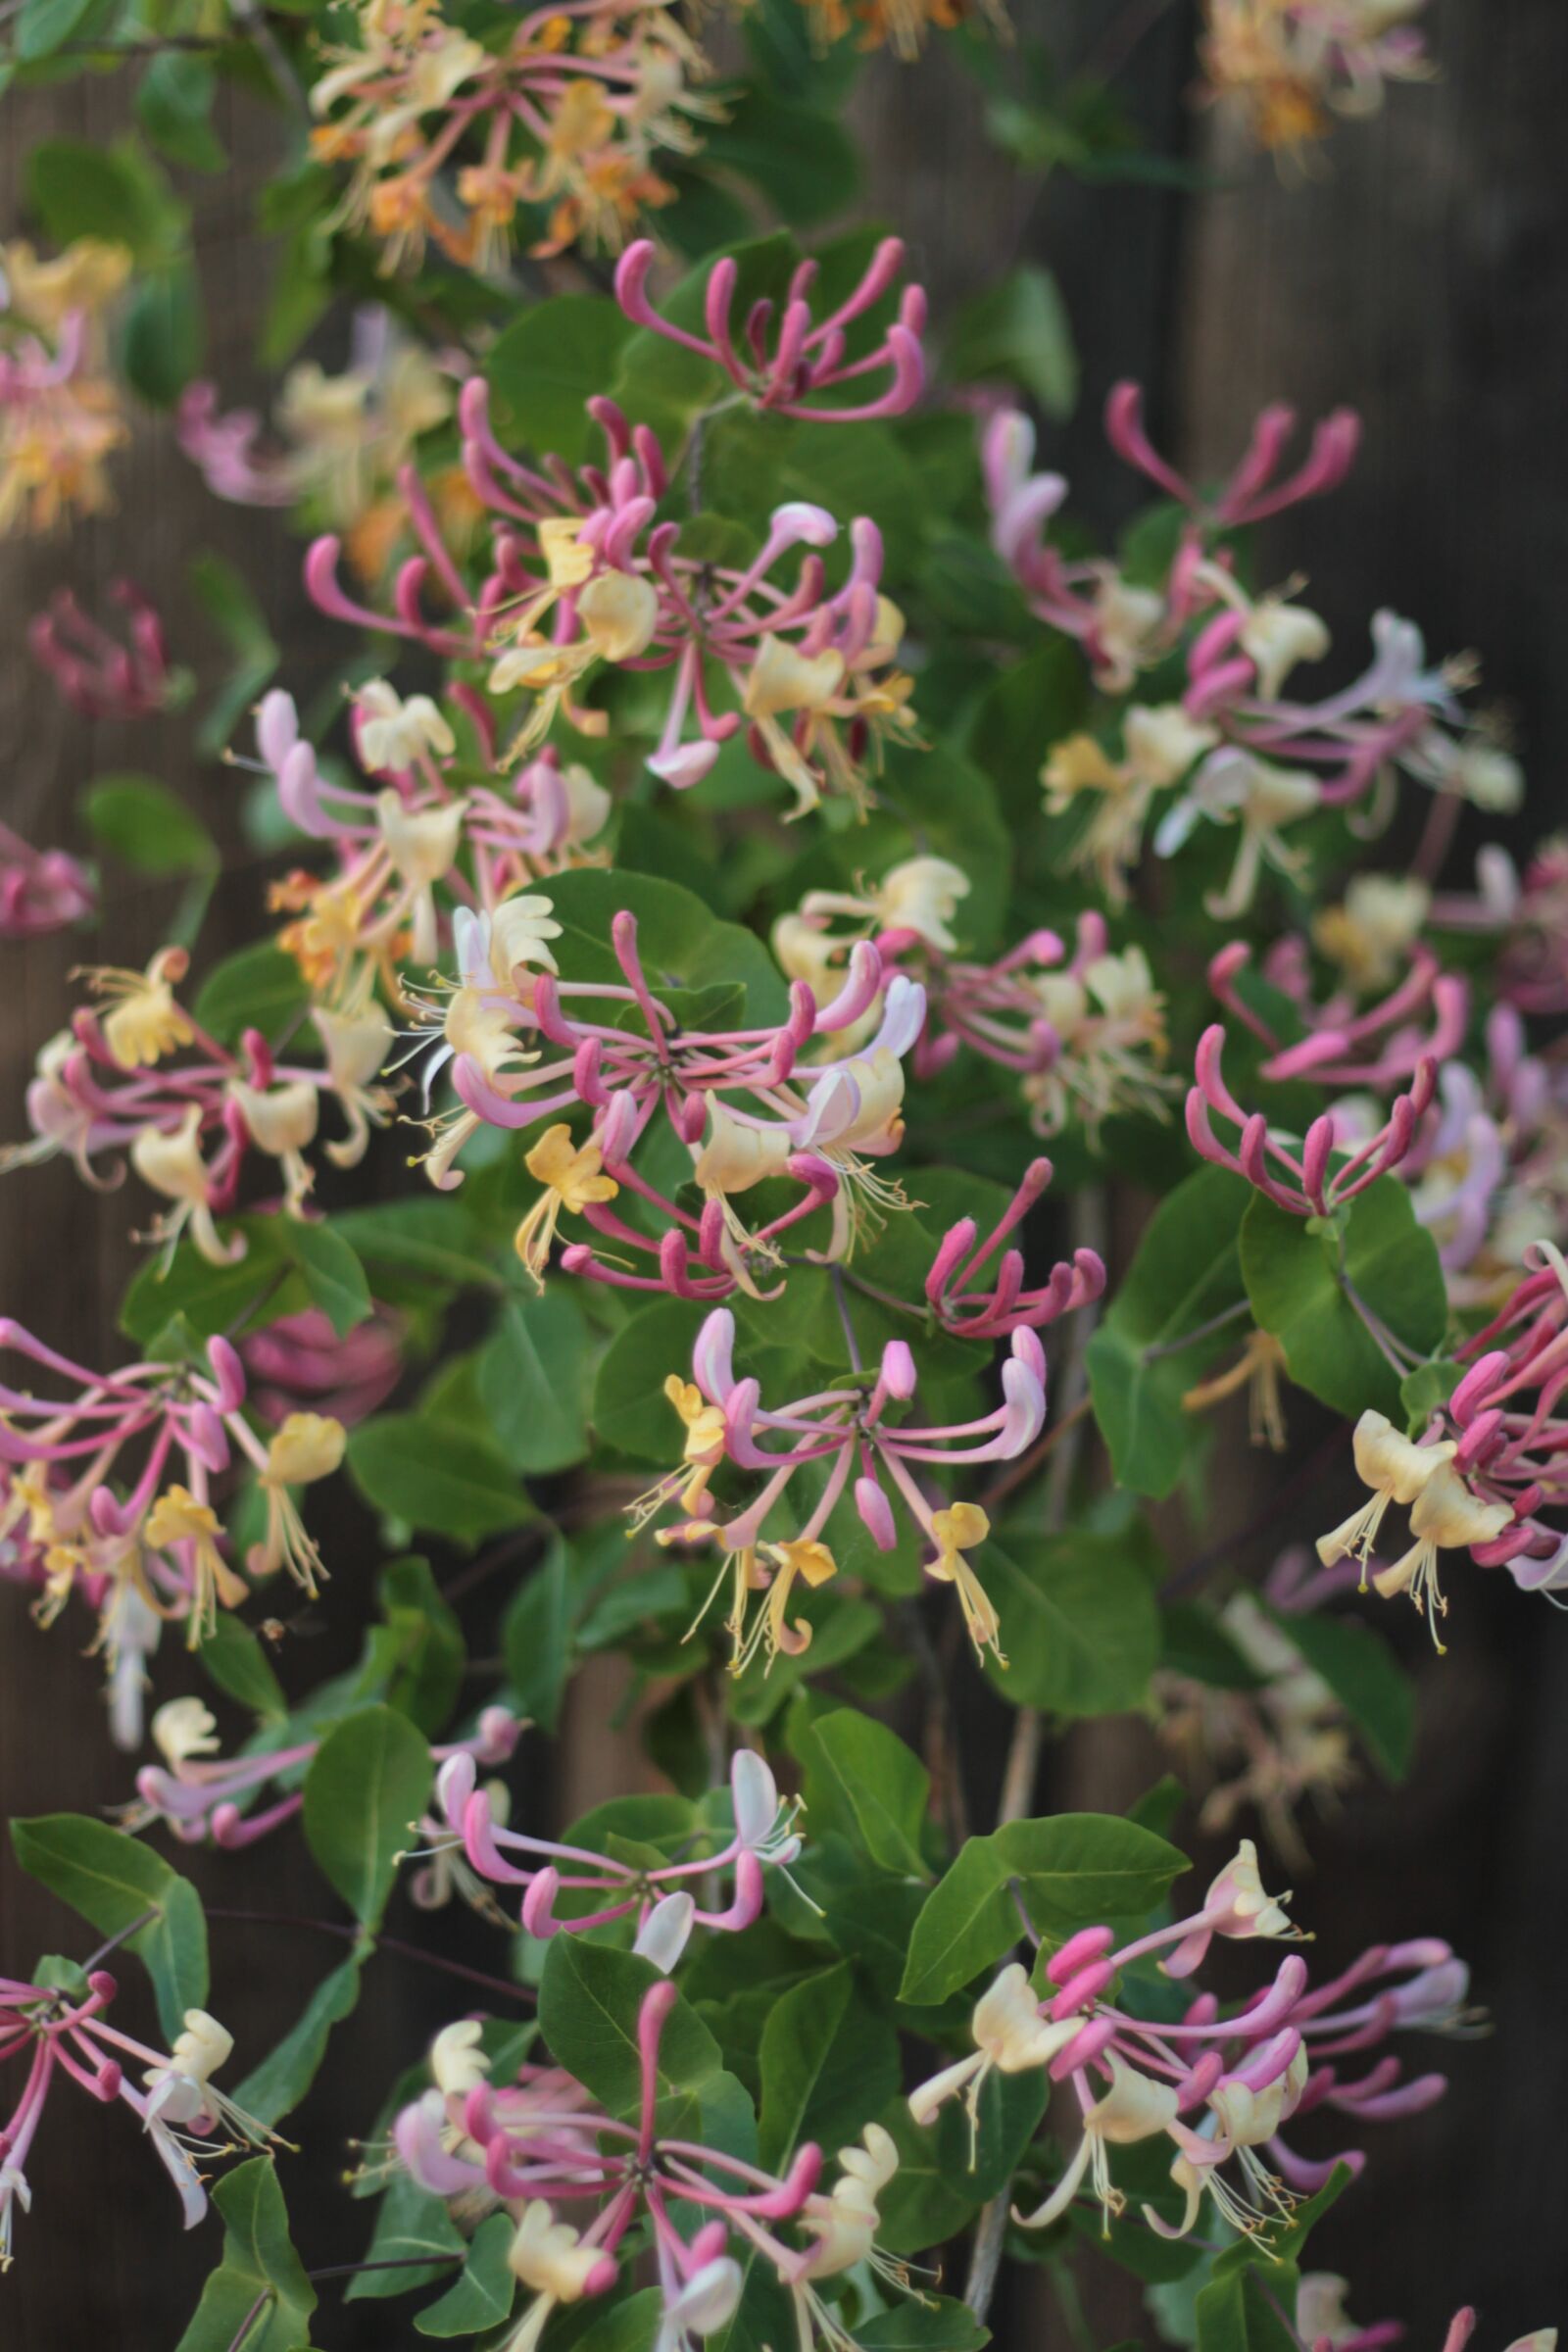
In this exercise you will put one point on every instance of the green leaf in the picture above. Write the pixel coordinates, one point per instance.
(933, 2324)
(1197, 1645)
(1300, 1277)
(236, 1662)
(589, 1997)
(549, 363)
(682, 944)
(536, 1638)
(797, 2043)
(965, 1923)
(147, 827)
(259, 988)
(211, 1298)
(482, 2295)
(802, 160)
(175, 106)
(112, 1880)
(435, 1475)
(44, 24)
(1425, 1390)
(1364, 1676)
(431, 1240)
(1237, 2314)
(1017, 330)
(1080, 1625)
(428, 1675)
(276, 2086)
(160, 336)
(1073, 1869)
(630, 2326)
(259, 2292)
(630, 1410)
(886, 1785)
(113, 193)
(1077, 1868)
(332, 1274)
(409, 2222)
(367, 1782)
(1142, 1359)
(534, 1379)
(227, 603)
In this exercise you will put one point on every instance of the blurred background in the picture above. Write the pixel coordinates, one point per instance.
(1423, 277)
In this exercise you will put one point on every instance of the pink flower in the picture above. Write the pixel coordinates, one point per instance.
(40, 890)
(805, 359)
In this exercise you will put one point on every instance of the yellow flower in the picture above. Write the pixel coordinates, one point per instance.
(702, 1452)
(573, 1179)
(176, 1517)
(144, 1022)
(958, 1530)
(807, 1558)
(306, 1448)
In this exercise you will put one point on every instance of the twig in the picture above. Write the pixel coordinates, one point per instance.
(267, 2295)
(382, 1944)
(113, 1942)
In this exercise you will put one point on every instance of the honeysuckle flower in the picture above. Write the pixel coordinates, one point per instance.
(300, 1363)
(1396, 1470)
(816, 674)
(1287, 1739)
(60, 412)
(807, 357)
(1235, 1907)
(1241, 2076)
(1251, 492)
(952, 1284)
(1371, 933)
(1080, 772)
(1232, 787)
(1011, 2037)
(1259, 1369)
(844, 1430)
(163, 1538)
(179, 2107)
(1317, 1176)
(1445, 1516)
(597, 1889)
(1132, 2108)
(540, 2140)
(40, 890)
(574, 1178)
(567, 115)
(201, 1795)
(1286, 66)
(99, 674)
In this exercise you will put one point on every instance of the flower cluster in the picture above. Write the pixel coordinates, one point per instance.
(66, 2036)
(146, 1545)
(448, 139)
(1239, 2078)
(541, 2141)
(1288, 66)
(1084, 1029)
(146, 1081)
(853, 1435)
(96, 673)
(60, 414)
(569, 1889)
(585, 554)
(1249, 753)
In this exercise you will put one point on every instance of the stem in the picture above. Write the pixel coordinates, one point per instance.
(382, 1944)
(386, 2262)
(113, 1942)
(251, 2317)
(1090, 1222)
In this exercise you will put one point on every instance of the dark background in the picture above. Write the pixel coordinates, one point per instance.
(1422, 278)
